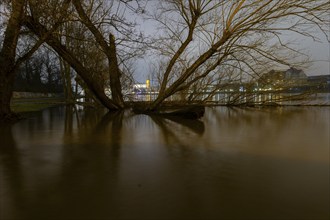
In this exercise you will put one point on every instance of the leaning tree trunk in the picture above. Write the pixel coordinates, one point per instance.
(114, 73)
(110, 52)
(7, 58)
(94, 86)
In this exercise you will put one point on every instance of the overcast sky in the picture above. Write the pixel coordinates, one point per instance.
(320, 55)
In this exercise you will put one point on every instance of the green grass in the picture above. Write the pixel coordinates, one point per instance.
(35, 104)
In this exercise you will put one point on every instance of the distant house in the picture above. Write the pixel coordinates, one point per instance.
(320, 82)
(140, 88)
(319, 79)
(282, 80)
(295, 74)
(272, 77)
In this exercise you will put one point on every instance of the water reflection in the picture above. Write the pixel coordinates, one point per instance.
(169, 127)
(11, 176)
(90, 166)
(267, 163)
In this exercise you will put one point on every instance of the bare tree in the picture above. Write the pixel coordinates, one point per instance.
(102, 20)
(9, 59)
(202, 37)
(202, 42)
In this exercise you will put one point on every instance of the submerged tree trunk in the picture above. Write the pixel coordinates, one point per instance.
(7, 59)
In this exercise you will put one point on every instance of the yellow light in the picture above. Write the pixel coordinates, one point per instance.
(148, 83)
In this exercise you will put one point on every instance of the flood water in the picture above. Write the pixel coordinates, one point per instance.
(267, 163)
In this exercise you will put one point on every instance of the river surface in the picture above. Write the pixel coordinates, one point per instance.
(267, 163)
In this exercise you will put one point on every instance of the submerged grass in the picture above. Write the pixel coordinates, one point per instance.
(34, 104)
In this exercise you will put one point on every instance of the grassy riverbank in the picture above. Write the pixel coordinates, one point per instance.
(20, 105)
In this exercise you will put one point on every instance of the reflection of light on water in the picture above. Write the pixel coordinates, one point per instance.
(271, 159)
(283, 132)
(251, 98)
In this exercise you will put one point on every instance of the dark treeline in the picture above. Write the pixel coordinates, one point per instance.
(40, 73)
